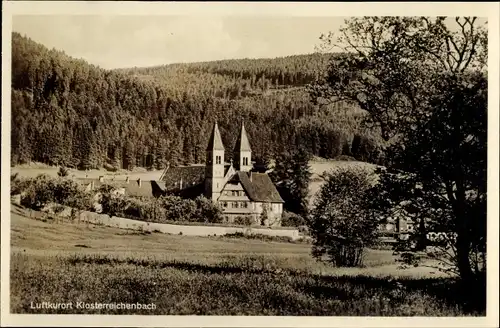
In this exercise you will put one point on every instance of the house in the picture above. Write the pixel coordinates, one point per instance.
(131, 188)
(241, 191)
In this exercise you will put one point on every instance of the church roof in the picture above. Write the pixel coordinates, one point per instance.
(242, 143)
(215, 141)
(189, 175)
(259, 187)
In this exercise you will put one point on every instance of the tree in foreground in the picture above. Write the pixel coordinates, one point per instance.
(292, 175)
(340, 225)
(423, 83)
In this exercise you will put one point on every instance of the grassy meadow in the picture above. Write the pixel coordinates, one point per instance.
(34, 169)
(78, 262)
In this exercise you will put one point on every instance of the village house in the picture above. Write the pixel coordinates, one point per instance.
(130, 188)
(241, 191)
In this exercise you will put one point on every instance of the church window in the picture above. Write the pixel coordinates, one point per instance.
(218, 159)
(245, 160)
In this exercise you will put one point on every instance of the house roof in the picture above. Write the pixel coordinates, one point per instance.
(132, 188)
(189, 175)
(259, 187)
(242, 143)
(215, 141)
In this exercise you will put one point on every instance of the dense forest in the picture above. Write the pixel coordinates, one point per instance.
(68, 112)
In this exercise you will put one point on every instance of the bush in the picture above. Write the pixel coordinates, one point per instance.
(167, 208)
(208, 211)
(178, 209)
(38, 192)
(341, 225)
(244, 220)
(290, 219)
(111, 204)
(17, 184)
(163, 209)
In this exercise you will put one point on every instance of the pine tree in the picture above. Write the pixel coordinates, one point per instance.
(292, 175)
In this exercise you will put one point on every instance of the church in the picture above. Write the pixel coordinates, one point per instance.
(242, 192)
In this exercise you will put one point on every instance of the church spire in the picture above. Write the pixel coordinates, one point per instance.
(242, 143)
(214, 167)
(215, 141)
(242, 152)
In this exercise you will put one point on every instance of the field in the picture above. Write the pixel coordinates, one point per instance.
(34, 169)
(69, 262)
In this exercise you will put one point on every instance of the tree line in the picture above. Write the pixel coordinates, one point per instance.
(423, 82)
(68, 112)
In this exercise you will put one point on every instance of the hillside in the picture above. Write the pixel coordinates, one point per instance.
(66, 111)
(238, 78)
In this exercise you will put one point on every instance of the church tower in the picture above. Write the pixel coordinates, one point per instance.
(214, 168)
(243, 152)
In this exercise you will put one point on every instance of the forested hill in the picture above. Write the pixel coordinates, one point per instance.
(66, 111)
(240, 77)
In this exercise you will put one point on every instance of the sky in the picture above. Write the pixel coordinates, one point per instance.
(128, 41)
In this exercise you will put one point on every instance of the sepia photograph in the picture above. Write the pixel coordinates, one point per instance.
(168, 163)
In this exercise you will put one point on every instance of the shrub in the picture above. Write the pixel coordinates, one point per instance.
(17, 184)
(38, 192)
(244, 220)
(208, 211)
(341, 226)
(178, 209)
(175, 208)
(290, 219)
(147, 210)
(111, 204)
(264, 215)
(166, 208)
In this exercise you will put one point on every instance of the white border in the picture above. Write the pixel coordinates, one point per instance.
(310, 9)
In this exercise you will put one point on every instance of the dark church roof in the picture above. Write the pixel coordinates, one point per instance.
(215, 141)
(259, 187)
(189, 175)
